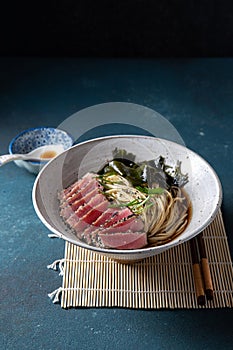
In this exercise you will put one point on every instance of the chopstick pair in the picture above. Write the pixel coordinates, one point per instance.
(201, 270)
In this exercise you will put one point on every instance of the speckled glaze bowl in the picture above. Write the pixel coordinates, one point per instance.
(33, 138)
(203, 188)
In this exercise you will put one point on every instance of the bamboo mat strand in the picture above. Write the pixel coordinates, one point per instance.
(162, 281)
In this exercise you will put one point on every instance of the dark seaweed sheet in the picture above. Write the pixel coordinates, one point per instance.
(150, 173)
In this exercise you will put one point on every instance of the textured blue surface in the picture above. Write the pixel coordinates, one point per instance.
(195, 95)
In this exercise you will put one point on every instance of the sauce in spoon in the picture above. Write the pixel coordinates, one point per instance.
(48, 154)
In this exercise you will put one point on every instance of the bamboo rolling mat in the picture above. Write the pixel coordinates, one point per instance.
(162, 281)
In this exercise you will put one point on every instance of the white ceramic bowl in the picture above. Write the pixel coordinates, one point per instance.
(30, 139)
(203, 188)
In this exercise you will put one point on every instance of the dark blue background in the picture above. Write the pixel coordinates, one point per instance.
(117, 28)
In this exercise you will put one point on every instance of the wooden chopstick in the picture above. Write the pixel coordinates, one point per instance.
(205, 268)
(199, 287)
(201, 270)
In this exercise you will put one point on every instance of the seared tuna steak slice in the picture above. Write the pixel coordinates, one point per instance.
(91, 216)
(128, 240)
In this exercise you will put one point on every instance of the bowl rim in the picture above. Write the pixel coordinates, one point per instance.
(140, 251)
(37, 128)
